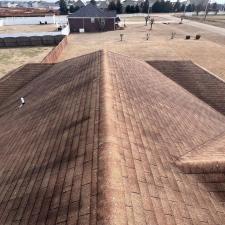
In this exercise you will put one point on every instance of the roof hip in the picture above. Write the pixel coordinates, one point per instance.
(111, 207)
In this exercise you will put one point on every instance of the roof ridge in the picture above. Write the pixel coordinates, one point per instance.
(111, 206)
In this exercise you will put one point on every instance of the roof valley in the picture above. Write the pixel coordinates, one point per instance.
(111, 207)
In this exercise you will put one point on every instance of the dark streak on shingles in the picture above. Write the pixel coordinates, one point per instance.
(50, 150)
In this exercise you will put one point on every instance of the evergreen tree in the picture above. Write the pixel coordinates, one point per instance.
(73, 8)
(163, 7)
(112, 6)
(63, 7)
(177, 6)
(119, 7)
(93, 2)
(132, 9)
(146, 6)
(167, 6)
(127, 9)
(157, 7)
(189, 8)
(182, 7)
(137, 9)
(141, 6)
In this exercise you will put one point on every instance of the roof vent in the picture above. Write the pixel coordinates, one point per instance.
(22, 102)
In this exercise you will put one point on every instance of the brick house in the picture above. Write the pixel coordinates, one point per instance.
(92, 19)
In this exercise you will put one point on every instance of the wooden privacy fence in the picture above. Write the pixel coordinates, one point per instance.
(46, 40)
(54, 54)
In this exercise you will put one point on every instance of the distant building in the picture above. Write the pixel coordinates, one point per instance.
(24, 4)
(35, 4)
(45, 5)
(8, 4)
(92, 19)
(3, 4)
(30, 4)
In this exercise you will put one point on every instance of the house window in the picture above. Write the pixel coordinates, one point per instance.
(92, 20)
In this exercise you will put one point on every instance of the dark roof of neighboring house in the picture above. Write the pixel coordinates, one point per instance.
(91, 10)
(196, 80)
(104, 139)
(79, 3)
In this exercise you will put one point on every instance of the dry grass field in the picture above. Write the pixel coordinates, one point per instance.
(215, 20)
(27, 28)
(11, 58)
(208, 52)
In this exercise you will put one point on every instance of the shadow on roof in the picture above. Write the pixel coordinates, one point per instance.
(97, 141)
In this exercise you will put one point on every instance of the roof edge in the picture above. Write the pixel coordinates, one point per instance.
(12, 72)
(205, 159)
(111, 201)
(20, 82)
(201, 166)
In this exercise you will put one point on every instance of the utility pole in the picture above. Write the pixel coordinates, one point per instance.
(186, 7)
(148, 9)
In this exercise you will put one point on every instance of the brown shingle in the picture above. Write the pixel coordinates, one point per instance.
(97, 142)
(195, 79)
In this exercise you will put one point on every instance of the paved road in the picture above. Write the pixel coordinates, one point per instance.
(206, 27)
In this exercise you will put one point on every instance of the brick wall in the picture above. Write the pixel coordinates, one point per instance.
(77, 23)
(54, 54)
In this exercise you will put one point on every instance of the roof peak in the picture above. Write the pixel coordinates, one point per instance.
(91, 10)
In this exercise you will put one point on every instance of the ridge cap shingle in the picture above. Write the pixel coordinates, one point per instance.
(207, 158)
(94, 146)
(111, 204)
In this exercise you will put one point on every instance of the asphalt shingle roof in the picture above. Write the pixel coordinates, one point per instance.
(97, 142)
(91, 10)
(196, 80)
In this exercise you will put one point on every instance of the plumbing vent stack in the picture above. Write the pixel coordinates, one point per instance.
(22, 102)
